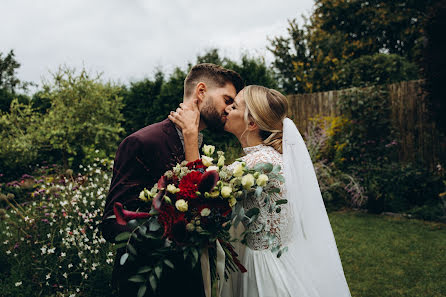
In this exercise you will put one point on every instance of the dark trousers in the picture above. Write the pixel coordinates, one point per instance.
(182, 281)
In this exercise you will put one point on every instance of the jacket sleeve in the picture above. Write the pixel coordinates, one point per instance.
(131, 173)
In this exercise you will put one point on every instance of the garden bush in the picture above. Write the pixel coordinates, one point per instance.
(50, 243)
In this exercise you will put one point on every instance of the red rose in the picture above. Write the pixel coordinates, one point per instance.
(166, 218)
(189, 185)
(197, 164)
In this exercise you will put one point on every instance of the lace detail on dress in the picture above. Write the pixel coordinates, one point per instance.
(278, 224)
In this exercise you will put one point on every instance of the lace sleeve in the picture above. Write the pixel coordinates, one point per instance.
(275, 223)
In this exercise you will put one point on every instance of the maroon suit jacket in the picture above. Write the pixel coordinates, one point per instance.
(141, 159)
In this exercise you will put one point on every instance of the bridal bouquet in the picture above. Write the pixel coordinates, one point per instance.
(188, 216)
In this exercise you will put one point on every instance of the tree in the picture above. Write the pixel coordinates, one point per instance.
(434, 63)
(312, 57)
(9, 83)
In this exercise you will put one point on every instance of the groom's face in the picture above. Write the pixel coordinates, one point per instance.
(216, 100)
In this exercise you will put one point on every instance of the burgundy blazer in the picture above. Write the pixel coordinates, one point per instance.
(142, 158)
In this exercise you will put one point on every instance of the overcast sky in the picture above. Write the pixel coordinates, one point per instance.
(128, 40)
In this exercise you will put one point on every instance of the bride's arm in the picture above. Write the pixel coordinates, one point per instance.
(187, 117)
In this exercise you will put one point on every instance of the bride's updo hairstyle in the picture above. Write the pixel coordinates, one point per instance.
(267, 108)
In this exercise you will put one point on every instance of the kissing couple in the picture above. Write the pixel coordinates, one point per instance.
(215, 98)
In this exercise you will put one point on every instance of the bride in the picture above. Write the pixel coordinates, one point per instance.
(311, 266)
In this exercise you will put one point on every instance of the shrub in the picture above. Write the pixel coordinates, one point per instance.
(337, 187)
(52, 243)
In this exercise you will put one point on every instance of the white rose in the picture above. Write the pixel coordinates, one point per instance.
(172, 189)
(226, 191)
(212, 168)
(205, 212)
(208, 150)
(248, 181)
(238, 170)
(262, 180)
(221, 161)
(181, 205)
(207, 161)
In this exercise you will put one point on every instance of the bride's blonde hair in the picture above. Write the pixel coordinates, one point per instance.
(267, 108)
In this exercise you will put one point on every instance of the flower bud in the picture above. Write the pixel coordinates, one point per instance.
(256, 175)
(172, 189)
(208, 150)
(181, 205)
(232, 201)
(214, 194)
(190, 227)
(221, 161)
(199, 229)
(168, 200)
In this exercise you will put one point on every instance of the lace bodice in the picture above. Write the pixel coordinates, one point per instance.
(277, 223)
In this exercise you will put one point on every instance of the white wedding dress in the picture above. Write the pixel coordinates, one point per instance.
(311, 267)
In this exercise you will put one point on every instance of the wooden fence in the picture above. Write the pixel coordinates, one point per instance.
(418, 137)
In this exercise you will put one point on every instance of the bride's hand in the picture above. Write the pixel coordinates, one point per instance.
(187, 117)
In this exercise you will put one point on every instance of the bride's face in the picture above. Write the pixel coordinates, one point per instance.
(235, 121)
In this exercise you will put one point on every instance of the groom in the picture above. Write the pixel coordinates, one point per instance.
(144, 156)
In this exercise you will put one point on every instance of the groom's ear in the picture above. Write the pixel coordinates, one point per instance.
(200, 91)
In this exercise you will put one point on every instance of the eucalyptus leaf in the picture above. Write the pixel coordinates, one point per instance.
(195, 254)
(123, 236)
(268, 167)
(142, 290)
(143, 230)
(144, 269)
(158, 271)
(168, 263)
(259, 191)
(132, 223)
(278, 210)
(152, 281)
(123, 258)
(132, 249)
(281, 201)
(252, 212)
(274, 190)
(119, 245)
(137, 279)
(154, 226)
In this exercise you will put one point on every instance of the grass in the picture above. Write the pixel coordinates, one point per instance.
(386, 256)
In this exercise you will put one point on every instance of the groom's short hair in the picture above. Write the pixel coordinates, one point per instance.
(212, 75)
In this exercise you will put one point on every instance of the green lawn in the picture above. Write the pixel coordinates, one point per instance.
(386, 256)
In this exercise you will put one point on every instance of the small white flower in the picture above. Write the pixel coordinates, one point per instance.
(262, 180)
(248, 181)
(48, 276)
(70, 265)
(8, 252)
(181, 205)
(63, 254)
(205, 212)
(172, 189)
(226, 191)
(18, 284)
(210, 168)
(238, 170)
(207, 161)
(65, 275)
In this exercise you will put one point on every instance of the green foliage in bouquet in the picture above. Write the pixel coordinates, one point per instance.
(189, 213)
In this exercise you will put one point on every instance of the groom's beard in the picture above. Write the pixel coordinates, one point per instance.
(210, 116)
